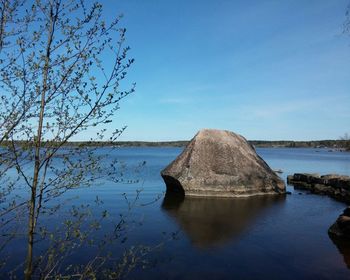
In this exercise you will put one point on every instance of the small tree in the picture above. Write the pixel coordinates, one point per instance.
(346, 27)
(61, 69)
(345, 141)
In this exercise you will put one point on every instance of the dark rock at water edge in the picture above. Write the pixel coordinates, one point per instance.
(221, 163)
(341, 227)
(339, 233)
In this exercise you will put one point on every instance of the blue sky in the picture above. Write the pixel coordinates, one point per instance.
(264, 69)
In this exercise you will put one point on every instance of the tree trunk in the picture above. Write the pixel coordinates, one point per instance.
(32, 204)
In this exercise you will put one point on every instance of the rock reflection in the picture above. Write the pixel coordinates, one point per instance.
(343, 247)
(214, 221)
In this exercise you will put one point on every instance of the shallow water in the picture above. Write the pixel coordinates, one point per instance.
(246, 238)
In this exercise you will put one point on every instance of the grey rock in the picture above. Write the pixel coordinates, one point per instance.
(221, 163)
(305, 177)
(290, 179)
(323, 189)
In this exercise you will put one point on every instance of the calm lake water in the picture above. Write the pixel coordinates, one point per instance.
(247, 238)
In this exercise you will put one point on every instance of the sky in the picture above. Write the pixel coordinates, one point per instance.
(266, 69)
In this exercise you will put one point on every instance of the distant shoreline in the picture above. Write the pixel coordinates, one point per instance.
(327, 144)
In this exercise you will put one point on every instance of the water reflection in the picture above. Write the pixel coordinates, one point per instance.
(215, 221)
(343, 247)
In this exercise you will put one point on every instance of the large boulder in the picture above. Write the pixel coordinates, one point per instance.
(221, 163)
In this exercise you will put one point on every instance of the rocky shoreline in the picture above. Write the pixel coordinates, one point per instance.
(333, 185)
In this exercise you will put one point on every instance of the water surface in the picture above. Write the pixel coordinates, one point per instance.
(281, 237)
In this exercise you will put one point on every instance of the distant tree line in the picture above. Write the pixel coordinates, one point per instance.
(337, 144)
(343, 143)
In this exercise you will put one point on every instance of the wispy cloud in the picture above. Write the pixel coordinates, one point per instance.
(279, 109)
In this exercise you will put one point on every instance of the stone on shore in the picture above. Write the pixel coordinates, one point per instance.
(341, 227)
(221, 163)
